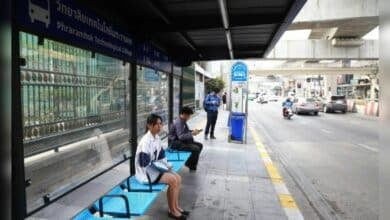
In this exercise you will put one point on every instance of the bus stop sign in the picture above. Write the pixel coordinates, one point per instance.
(239, 72)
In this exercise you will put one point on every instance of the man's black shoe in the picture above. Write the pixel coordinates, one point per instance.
(192, 169)
(213, 137)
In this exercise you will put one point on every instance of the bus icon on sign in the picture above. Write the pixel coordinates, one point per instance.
(239, 72)
(39, 10)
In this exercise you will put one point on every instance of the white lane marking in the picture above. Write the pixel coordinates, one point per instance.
(326, 131)
(293, 214)
(267, 160)
(281, 188)
(368, 147)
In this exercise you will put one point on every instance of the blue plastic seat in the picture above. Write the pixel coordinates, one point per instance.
(136, 186)
(177, 165)
(185, 155)
(138, 202)
(173, 155)
(87, 215)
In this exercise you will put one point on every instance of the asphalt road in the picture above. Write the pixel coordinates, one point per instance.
(330, 158)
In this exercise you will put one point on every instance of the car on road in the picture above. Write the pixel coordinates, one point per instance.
(335, 103)
(263, 98)
(251, 96)
(273, 98)
(320, 102)
(305, 105)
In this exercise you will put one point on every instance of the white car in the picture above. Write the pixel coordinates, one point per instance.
(263, 98)
(273, 98)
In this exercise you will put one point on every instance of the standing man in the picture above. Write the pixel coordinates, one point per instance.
(180, 137)
(224, 101)
(212, 103)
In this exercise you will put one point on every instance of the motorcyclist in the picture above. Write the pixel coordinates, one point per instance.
(286, 105)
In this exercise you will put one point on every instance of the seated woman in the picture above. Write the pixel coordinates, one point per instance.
(150, 150)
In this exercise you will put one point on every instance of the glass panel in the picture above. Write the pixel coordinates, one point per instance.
(188, 86)
(176, 97)
(75, 115)
(152, 97)
(160, 101)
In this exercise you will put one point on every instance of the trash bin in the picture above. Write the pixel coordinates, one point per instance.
(237, 122)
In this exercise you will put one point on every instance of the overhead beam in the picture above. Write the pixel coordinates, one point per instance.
(158, 11)
(204, 22)
(323, 49)
(243, 48)
(166, 19)
(249, 54)
(226, 26)
(313, 71)
(292, 12)
(333, 10)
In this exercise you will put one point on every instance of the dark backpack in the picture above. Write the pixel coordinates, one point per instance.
(204, 103)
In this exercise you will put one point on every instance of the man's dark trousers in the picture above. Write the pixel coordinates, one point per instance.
(194, 147)
(211, 121)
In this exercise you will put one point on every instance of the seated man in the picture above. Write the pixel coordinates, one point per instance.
(180, 137)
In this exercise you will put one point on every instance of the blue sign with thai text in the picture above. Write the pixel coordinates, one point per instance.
(66, 20)
(62, 19)
(151, 56)
(239, 72)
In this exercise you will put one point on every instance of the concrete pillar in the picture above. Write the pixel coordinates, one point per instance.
(318, 10)
(346, 63)
(374, 86)
(330, 85)
(300, 91)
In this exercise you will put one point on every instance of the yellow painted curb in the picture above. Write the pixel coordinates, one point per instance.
(264, 155)
(287, 201)
(273, 171)
(259, 145)
(277, 181)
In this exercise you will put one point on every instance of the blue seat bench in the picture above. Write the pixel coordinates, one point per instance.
(120, 203)
(177, 165)
(87, 214)
(130, 197)
(175, 155)
(136, 186)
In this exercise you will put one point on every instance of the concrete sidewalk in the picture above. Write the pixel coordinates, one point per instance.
(232, 181)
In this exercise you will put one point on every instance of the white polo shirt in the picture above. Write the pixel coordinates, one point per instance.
(149, 149)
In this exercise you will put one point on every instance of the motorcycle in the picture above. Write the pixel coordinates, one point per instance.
(287, 113)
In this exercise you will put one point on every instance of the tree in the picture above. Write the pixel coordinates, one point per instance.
(215, 84)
